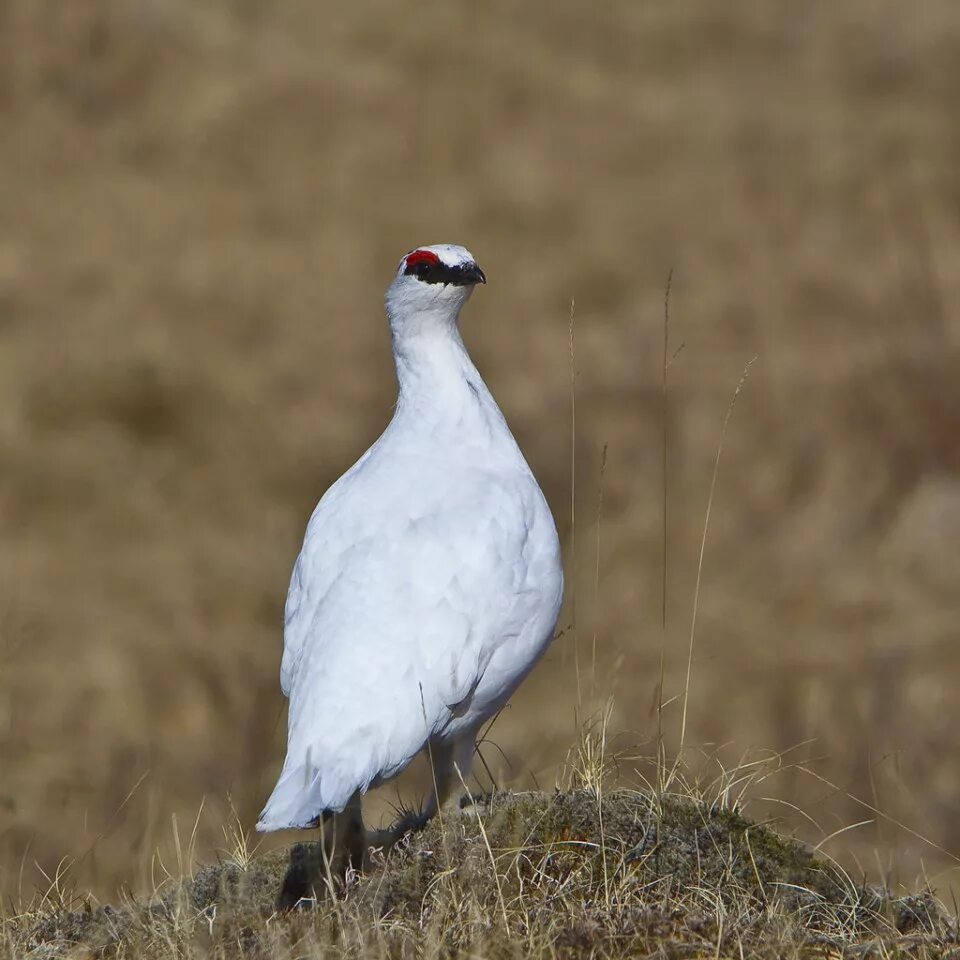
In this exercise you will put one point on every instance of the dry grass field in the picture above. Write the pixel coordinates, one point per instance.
(201, 203)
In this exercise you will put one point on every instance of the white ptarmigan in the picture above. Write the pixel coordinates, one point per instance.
(429, 581)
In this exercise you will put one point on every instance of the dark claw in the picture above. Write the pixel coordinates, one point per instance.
(413, 821)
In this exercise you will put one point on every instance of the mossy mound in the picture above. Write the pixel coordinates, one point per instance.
(564, 874)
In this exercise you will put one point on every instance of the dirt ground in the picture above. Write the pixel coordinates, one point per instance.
(201, 203)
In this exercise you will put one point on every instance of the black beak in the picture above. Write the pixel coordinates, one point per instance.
(467, 274)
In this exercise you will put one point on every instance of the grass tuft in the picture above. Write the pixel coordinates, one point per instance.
(572, 873)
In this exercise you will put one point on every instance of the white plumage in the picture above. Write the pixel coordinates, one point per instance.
(429, 581)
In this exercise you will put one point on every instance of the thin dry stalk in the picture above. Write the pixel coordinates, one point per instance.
(573, 505)
(885, 816)
(664, 448)
(703, 547)
(596, 578)
(603, 835)
(664, 410)
(433, 776)
(493, 859)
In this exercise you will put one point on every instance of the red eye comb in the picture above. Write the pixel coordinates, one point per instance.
(421, 256)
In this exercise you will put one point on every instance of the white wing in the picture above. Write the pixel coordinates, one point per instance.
(321, 528)
(394, 612)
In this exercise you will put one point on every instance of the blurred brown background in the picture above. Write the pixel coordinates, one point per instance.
(201, 204)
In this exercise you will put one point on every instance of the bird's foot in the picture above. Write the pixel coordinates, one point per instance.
(415, 821)
(410, 822)
(321, 867)
(303, 882)
(314, 873)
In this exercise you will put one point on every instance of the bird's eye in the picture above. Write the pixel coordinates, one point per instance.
(420, 260)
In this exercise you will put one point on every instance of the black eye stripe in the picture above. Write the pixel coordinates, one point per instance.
(459, 275)
(430, 272)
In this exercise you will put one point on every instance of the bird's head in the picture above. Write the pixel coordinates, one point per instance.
(434, 280)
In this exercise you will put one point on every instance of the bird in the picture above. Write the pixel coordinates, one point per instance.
(429, 581)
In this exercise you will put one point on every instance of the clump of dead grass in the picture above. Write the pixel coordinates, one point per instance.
(576, 872)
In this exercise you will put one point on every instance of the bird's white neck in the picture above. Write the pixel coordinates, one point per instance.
(437, 379)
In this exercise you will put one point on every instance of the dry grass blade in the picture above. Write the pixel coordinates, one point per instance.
(596, 577)
(703, 548)
(880, 813)
(573, 505)
(493, 859)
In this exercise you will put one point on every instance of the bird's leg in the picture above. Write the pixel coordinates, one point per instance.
(413, 821)
(452, 763)
(349, 836)
(315, 866)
